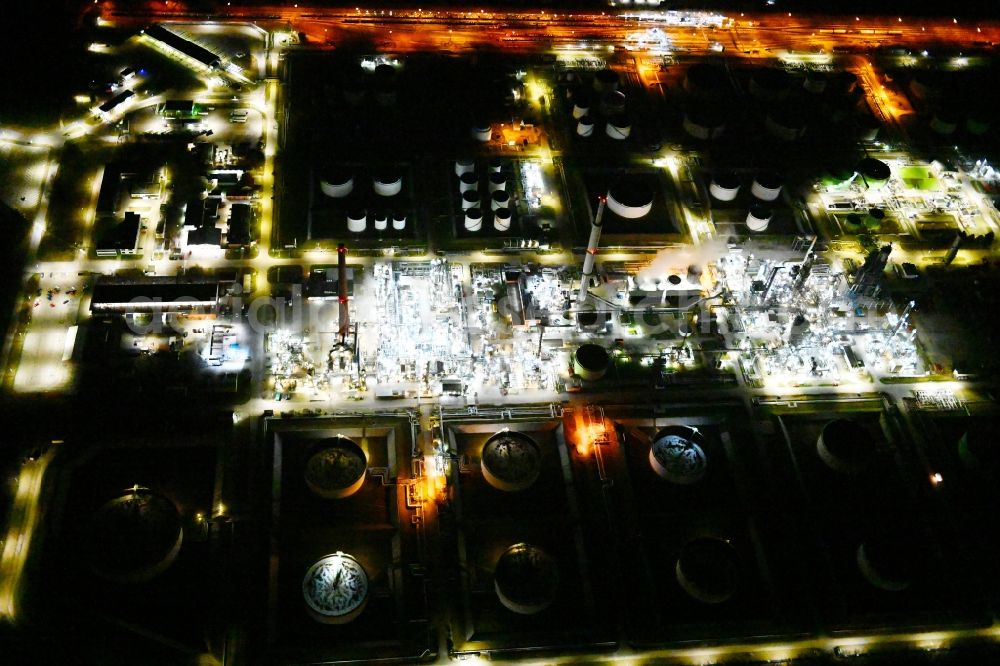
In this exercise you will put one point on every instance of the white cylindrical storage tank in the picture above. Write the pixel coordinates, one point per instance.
(337, 470)
(335, 589)
(501, 219)
(381, 221)
(511, 461)
(704, 123)
(676, 455)
(499, 199)
(526, 579)
(585, 126)
(613, 103)
(766, 186)
(606, 80)
(468, 181)
(708, 570)
(498, 181)
(399, 221)
(892, 558)
(337, 183)
(583, 101)
(591, 361)
(495, 165)
(815, 82)
(473, 219)
(785, 123)
(769, 85)
(724, 186)
(706, 81)
(470, 199)
(759, 217)
(387, 184)
(630, 198)
(357, 220)
(844, 446)
(464, 166)
(481, 131)
(618, 128)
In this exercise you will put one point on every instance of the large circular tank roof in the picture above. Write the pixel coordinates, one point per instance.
(706, 570)
(890, 559)
(677, 456)
(337, 470)
(526, 579)
(845, 446)
(705, 77)
(874, 169)
(135, 536)
(511, 461)
(978, 448)
(335, 589)
(592, 357)
(630, 198)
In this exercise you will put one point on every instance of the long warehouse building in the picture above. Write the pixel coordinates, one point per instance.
(184, 46)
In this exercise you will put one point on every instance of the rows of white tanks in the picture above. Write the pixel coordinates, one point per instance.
(602, 96)
(766, 189)
(497, 196)
(339, 184)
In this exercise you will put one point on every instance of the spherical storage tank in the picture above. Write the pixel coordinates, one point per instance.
(470, 199)
(590, 361)
(464, 166)
(526, 579)
(135, 536)
(473, 219)
(618, 127)
(335, 589)
(337, 183)
(499, 199)
(705, 122)
(585, 126)
(502, 219)
(357, 220)
(676, 455)
(481, 131)
(707, 570)
(766, 186)
(497, 181)
(387, 183)
(875, 172)
(844, 446)
(337, 470)
(759, 217)
(468, 181)
(606, 80)
(724, 186)
(630, 198)
(511, 461)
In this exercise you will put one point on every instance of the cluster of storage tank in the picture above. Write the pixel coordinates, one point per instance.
(382, 86)
(766, 189)
(474, 203)
(602, 96)
(339, 184)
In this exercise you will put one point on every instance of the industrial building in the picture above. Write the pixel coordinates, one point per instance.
(123, 296)
(183, 46)
(122, 240)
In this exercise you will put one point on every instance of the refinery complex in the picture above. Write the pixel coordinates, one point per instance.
(416, 335)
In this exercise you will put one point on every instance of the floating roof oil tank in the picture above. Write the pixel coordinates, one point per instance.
(606, 80)
(499, 199)
(498, 181)
(337, 183)
(868, 127)
(979, 121)
(707, 570)
(511, 461)
(618, 128)
(398, 221)
(925, 85)
(844, 446)
(381, 220)
(705, 122)
(502, 219)
(613, 103)
(135, 537)
(890, 559)
(585, 126)
(725, 186)
(337, 470)
(464, 166)
(785, 122)
(815, 82)
(706, 80)
(874, 172)
(945, 122)
(335, 589)
(977, 449)
(767, 186)
(473, 219)
(583, 100)
(873, 219)
(468, 181)
(388, 183)
(769, 84)
(526, 579)
(470, 199)
(759, 217)
(590, 361)
(357, 220)
(630, 198)
(676, 454)
(481, 131)
(837, 175)
(495, 165)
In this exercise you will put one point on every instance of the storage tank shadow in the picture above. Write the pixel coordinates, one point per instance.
(337, 470)
(526, 579)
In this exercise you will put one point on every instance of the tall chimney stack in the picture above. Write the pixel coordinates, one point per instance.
(345, 317)
(593, 244)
